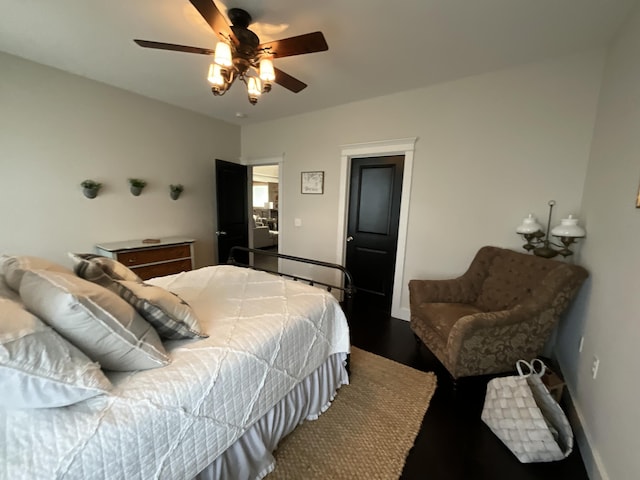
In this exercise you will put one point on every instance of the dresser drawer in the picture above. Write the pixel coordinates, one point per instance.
(160, 269)
(165, 256)
(153, 255)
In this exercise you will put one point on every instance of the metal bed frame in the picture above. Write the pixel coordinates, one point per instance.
(348, 288)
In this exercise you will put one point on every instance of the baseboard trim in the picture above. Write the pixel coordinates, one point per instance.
(590, 457)
(401, 313)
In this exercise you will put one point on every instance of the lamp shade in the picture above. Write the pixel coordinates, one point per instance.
(529, 225)
(222, 55)
(568, 228)
(267, 74)
(253, 87)
(215, 75)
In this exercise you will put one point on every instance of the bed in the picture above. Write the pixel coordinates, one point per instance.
(275, 356)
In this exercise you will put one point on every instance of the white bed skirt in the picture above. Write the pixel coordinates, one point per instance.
(250, 457)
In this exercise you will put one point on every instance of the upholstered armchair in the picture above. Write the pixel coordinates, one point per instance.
(502, 309)
(262, 236)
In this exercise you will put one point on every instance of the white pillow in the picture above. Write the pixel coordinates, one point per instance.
(172, 317)
(14, 267)
(39, 368)
(97, 321)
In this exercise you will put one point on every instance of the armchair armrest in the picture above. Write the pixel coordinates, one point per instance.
(466, 326)
(261, 237)
(499, 338)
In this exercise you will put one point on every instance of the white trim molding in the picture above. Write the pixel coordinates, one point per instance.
(403, 146)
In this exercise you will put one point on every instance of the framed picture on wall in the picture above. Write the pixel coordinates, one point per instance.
(312, 182)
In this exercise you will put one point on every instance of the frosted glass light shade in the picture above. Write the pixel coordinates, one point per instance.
(267, 74)
(568, 228)
(529, 225)
(215, 75)
(253, 87)
(222, 55)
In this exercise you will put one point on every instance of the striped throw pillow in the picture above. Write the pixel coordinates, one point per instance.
(171, 316)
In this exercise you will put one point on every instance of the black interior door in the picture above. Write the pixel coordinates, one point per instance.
(231, 196)
(372, 230)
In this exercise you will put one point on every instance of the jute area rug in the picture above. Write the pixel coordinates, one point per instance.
(368, 430)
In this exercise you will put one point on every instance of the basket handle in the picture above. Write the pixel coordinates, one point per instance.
(536, 367)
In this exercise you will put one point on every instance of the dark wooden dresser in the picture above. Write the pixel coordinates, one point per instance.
(169, 255)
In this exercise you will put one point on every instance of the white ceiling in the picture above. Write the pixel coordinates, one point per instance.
(375, 47)
(269, 171)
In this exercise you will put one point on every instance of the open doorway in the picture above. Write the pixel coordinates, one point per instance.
(265, 194)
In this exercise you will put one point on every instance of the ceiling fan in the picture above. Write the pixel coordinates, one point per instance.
(240, 55)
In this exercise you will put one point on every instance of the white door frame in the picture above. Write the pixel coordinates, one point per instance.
(403, 146)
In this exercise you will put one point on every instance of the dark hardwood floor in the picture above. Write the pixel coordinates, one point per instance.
(453, 442)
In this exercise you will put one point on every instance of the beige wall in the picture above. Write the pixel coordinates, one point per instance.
(490, 149)
(608, 314)
(58, 129)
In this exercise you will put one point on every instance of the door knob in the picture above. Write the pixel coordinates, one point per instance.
(220, 233)
(349, 238)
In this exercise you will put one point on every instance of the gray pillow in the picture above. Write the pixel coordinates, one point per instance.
(101, 324)
(5, 291)
(14, 266)
(111, 267)
(39, 368)
(172, 317)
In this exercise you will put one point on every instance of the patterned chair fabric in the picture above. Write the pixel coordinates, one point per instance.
(502, 309)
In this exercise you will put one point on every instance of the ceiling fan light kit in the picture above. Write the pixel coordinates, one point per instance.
(240, 55)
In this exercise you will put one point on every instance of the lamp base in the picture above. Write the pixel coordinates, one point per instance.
(545, 252)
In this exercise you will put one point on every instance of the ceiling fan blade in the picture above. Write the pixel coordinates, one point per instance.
(174, 47)
(289, 82)
(287, 47)
(215, 19)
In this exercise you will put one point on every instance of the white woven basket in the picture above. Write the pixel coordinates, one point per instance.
(523, 414)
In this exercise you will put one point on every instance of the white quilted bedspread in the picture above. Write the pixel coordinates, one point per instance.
(266, 334)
